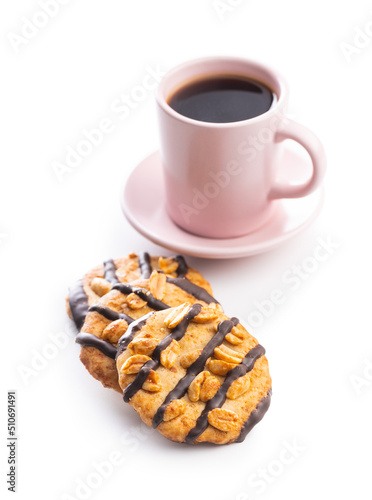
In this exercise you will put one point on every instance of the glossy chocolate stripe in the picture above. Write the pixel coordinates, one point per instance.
(144, 294)
(133, 328)
(256, 415)
(140, 379)
(218, 400)
(182, 268)
(110, 272)
(177, 333)
(181, 388)
(78, 302)
(144, 263)
(90, 340)
(110, 313)
(197, 291)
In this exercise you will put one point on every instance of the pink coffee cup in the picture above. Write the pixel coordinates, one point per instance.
(221, 178)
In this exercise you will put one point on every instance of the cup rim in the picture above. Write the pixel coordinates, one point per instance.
(275, 75)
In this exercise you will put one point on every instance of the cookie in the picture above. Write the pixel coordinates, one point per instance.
(108, 319)
(194, 374)
(97, 282)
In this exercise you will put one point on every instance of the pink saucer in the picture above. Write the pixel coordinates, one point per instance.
(143, 204)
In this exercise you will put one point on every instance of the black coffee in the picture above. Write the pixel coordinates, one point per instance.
(222, 99)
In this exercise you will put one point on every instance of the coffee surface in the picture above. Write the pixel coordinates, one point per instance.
(222, 99)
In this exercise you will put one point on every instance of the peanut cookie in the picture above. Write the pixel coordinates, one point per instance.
(108, 319)
(100, 280)
(194, 375)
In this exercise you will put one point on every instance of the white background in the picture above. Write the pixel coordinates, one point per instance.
(64, 80)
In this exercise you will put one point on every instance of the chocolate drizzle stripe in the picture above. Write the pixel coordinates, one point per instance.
(197, 291)
(144, 263)
(78, 301)
(256, 415)
(183, 384)
(177, 333)
(90, 340)
(145, 295)
(218, 400)
(183, 268)
(110, 314)
(110, 272)
(133, 328)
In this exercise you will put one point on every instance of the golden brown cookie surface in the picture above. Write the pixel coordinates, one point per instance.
(194, 374)
(109, 318)
(101, 279)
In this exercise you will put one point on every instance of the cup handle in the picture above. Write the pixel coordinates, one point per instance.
(293, 130)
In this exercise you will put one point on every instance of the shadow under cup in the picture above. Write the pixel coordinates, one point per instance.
(218, 175)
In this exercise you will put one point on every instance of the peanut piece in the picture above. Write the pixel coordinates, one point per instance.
(209, 388)
(239, 387)
(174, 409)
(188, 359)
(219, 367)
(135, 302)
(152, 383)
(169, 266)
(169, 356)
(134, 364)
(195, 386)
(229, 355)
(224, 420)
(143, 345)
(100, 286)
(114, 331)
(157, 284)
(236, 336)
(176, 315)
(207, 314)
